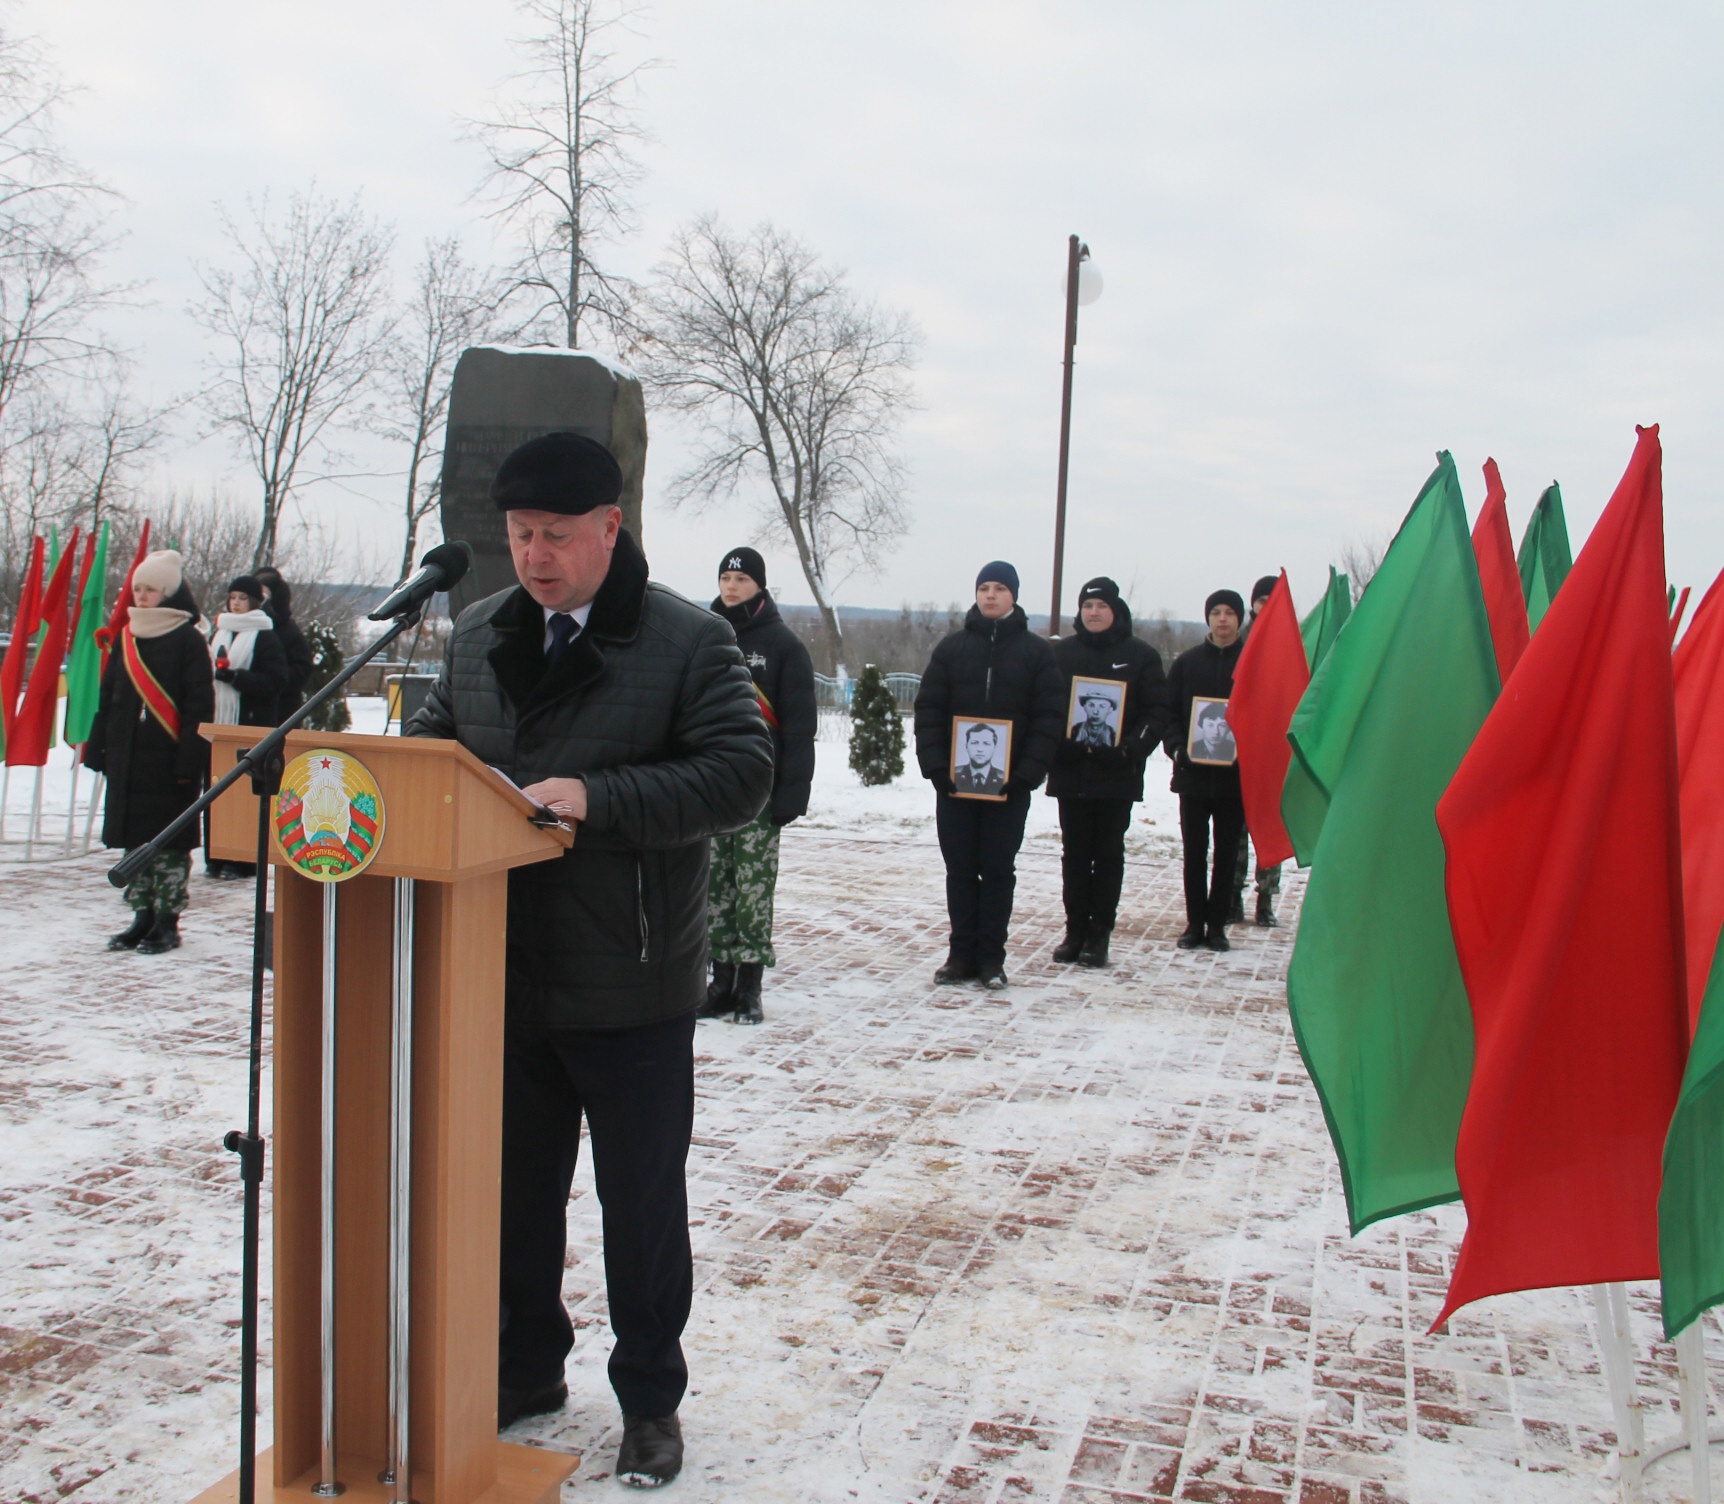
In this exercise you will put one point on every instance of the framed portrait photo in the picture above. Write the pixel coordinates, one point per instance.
(1210, 740)
(1096, 715)
(981, 757)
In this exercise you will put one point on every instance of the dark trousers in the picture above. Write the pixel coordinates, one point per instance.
(979, 841)
(636, 1087)
(1208, 895)
(1092, 861)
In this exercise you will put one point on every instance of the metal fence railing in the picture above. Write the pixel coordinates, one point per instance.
(834, 694)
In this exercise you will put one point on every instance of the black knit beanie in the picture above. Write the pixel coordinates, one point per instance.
(1101, 588)
(247, 584)
(998, 572)
(746, 561)
(1264, 588)
(1224, 598)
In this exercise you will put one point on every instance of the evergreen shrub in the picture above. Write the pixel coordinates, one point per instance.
(876, 730)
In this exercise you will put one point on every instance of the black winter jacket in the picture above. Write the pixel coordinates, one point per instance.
(299, 660)
(652, 707)
(1204, 670)
(998, 668)
(1110, 772)
(152, 778)
(783, 673)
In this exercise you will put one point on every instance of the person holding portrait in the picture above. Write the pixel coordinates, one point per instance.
(1208, 787)
(1118, 692)
(992, 670)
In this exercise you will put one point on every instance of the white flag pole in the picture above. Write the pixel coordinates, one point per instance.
(5, 791)
(72, 803)
(35, 817)
(1610, 1305)
(95, 804)
(1691, 1359)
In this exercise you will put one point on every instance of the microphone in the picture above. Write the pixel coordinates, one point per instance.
(440, 569)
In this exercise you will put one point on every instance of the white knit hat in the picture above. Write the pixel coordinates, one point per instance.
(160, 571)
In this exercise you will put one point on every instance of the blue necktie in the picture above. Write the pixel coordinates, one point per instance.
(563, 629)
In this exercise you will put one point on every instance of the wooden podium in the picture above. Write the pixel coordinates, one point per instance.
(454, 828)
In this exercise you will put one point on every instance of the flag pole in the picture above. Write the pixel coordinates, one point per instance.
(35, 817)
(1610, 1305)
(72, 804)
(90, 818)
(5, 793)
(1691, 1361)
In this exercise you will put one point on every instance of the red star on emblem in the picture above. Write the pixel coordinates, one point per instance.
(326, 762)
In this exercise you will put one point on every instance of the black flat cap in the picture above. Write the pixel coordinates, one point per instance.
(558, 472)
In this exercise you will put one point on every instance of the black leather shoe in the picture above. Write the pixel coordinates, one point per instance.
(164, 935)
(651, 1453)
(720, 992)
(1217, 940)
(1069, 948)
(748, 979)
(1191, 939)
(992, 977)
(955, 971)
(142, 923)
(1094, 952)
(514, 1404)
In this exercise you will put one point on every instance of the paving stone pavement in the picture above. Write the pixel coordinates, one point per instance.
(1081, 1240)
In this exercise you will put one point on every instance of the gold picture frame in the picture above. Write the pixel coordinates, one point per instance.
(1083, 724)
(1209, 740)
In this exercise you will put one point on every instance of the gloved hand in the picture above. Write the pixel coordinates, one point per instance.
(226, 675)
(1107, 757)
(942, 784)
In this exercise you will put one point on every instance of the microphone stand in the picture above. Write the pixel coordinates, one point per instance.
(263, 764)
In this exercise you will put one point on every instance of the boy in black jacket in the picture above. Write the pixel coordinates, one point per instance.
(1098, 776)
(1208, 791)
(743, 878)
(993, 669)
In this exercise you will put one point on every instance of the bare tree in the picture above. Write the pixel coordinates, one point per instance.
(797, 382)
(302, 323)
(561, 146)
(1361, 559)
(453, 306)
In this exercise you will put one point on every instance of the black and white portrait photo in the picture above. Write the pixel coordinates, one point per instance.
(1211, 738)
(1096, 712)
(981, 757)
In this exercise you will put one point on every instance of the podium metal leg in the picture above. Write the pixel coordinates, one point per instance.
(327, 1486)
(399, 1469)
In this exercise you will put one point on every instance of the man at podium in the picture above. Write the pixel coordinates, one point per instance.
(627, 710)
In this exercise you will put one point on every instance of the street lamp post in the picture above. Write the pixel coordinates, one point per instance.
(1083, 285)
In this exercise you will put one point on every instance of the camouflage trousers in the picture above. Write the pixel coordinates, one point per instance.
(739, 892)
(1268, 878)
(161, 885)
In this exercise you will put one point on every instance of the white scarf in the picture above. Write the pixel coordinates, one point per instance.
(155, 621)
(237, 632)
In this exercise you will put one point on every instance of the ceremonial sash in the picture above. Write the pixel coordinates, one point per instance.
(157, 700)
(766, 708)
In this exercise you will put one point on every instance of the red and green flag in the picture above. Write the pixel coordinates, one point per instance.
(1691, 1200)
(1268, 682)
(1499, 576)
(1545, 559)
(24, 624)
(1374, 989)
(33, 726)
(1565, 892)
(107, 636)
(84, 668)
(1697, 670)
(1302, 803)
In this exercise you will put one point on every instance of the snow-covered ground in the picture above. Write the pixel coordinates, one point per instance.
(1080, 1241)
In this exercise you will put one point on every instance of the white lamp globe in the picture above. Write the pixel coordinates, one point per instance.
(1089, 282)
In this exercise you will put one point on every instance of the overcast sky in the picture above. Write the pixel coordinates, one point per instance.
(1336, 237)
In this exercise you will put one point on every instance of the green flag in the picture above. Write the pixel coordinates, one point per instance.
(1374, 989)
(1544, 557)
(1691, 1203)
(1326, 618)
(84, 664)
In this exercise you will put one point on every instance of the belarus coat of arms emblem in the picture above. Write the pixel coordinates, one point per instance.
(328, 816)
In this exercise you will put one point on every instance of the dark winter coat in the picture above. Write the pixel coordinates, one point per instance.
(1205, 671)
(263, 684)
(299, 661)
(1110, 772)
(652, 707)
(996, 668)
(151, 776)
(784, 675)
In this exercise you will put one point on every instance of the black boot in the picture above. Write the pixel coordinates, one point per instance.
(1094, 952)
(748, 978)
(163, 935)
(720, 992)
(954, 970)
(142, 923)
(1192, 938)
(1217, 939)
(1266, 911)
(1071, 947)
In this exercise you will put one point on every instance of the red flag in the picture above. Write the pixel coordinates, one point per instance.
(1565, 894)
(1505, 601)
(1677, 613)
(33, 726)
(1268, 682)
(1698, 667)
(24, 625)
(107, 636)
